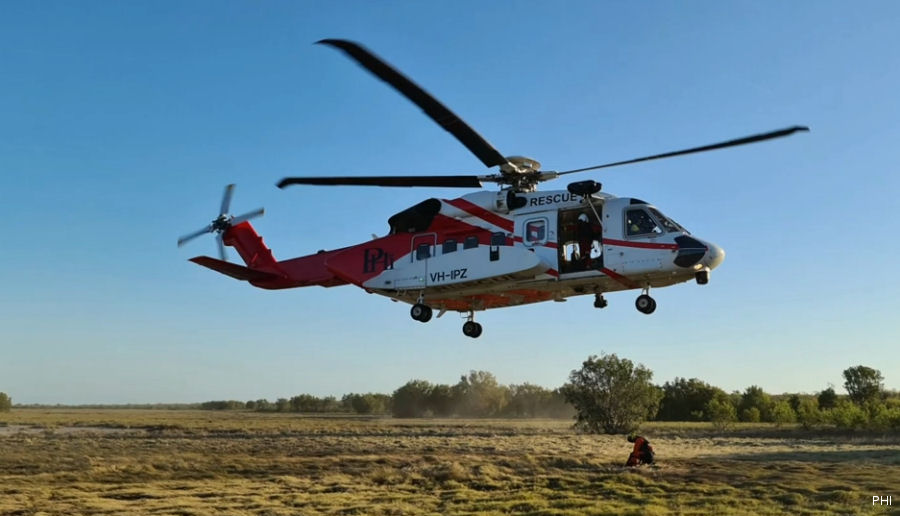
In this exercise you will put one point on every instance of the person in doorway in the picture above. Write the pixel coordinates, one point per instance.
(642, 452)
(587, 234)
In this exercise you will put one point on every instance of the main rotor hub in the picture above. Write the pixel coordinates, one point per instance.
(520, 165)
(521, 173)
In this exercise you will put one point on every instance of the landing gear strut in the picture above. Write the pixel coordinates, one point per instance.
(599, 301)
(644, 303)
(471, 328)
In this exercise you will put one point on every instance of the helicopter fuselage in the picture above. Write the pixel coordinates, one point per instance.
(475, 253)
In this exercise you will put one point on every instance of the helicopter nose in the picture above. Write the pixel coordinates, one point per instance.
(715, 256)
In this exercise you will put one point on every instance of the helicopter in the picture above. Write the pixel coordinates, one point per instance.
(485, 249)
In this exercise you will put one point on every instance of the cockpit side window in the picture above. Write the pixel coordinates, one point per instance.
(639, 222)
(670, 225)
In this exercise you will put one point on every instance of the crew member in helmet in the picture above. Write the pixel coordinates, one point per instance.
(642, 452)
(587, 234)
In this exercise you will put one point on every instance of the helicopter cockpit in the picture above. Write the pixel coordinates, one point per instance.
(648, 221)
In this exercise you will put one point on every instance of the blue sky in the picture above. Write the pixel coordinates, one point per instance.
(121, 122)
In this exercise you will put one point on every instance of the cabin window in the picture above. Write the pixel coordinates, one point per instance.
(470, 242)
(535, 231)
(638, 222)
(498, 239)
(423, 251)
(449, 246)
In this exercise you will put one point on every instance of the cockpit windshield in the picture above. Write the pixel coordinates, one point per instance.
(639, 222)
(670, 225)
(646, 221)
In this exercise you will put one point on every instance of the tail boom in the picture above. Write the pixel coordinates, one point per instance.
(263, 270)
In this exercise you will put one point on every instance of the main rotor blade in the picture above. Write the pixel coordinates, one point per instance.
(430, 105)
(730, 143)
(190, 236)
(247, 216)
(226, 199)
(432, 181)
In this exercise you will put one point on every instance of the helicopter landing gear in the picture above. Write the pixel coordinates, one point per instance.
(702, 277)
(599, 301)
(420, 312)
(644, 303)
(471, 328)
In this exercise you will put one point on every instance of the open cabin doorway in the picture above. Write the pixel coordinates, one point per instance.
(580, 239)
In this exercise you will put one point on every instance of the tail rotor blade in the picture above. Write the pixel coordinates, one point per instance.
(221, 243)
(183, 240)
(247, 216)
(226, 199)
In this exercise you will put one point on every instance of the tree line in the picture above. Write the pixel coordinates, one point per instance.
(613, 395)
(607, 394)
(477, 394)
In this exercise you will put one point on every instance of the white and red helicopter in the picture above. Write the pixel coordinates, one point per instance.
(487, 249)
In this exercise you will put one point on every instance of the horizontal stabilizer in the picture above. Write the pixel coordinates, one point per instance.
(234, 270)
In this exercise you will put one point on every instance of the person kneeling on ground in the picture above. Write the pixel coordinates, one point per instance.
(642, 453)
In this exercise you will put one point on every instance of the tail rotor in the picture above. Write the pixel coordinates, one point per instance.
(221, 223)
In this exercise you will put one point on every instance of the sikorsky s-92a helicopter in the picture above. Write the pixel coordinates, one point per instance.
(487, 249)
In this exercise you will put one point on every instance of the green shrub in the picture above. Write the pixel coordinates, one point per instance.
(808, 413)
(721, 413)
(782, 413)
(848, 416)
(750, 415)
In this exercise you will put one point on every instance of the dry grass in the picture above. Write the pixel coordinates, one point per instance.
(213, 463)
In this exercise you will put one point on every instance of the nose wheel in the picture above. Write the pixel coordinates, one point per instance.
(645, 304)
(420, 312)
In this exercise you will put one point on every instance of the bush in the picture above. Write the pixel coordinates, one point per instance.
(755, 398)
(686, 400)
(782, 413)
(827, 399)
(882, 416)
(848, 416)
(480, 395)
(411, 400)
(750, 415)
(611, 395)
(5, 402)
(808, 413)
(721, 413)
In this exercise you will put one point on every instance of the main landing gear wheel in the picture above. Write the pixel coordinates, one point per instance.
(645, 304)
(599, 301)
(472, 329)
(420, 312)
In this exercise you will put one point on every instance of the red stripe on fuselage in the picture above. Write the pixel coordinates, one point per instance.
(481, 213)
(639, 245)
(618, 277)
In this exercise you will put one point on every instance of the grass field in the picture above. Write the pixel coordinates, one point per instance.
(118, 462)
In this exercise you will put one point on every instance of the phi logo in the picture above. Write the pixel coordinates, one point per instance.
(375, 260)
